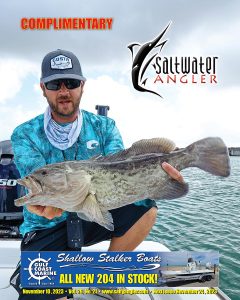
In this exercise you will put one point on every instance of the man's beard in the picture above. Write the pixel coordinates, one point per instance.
(56, 107)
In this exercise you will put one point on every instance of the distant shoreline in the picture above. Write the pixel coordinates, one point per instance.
(234, 151)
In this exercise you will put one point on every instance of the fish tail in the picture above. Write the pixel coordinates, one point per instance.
(211, 155)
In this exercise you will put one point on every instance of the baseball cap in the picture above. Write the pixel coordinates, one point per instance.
(61, 64)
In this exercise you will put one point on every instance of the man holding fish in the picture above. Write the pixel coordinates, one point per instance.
(66, 133)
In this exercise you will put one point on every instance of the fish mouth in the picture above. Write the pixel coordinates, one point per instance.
(34, 188)
(31, 183)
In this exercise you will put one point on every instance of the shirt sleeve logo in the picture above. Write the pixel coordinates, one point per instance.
(92, 144)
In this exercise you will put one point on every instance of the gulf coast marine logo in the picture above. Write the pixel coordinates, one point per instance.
(40, 269)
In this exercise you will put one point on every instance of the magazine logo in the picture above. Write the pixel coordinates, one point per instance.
(174, 70)
(61, 62)
(40, 269)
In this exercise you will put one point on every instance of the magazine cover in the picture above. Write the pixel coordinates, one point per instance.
(82, 218)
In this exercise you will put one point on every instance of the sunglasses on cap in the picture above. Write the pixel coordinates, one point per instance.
(55, 85)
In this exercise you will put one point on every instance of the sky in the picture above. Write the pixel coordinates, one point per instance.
(186, 113)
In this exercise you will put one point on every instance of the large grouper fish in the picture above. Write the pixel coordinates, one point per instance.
(93, 187)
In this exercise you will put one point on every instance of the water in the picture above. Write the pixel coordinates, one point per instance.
(206, 219)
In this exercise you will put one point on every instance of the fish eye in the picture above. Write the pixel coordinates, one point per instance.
(44, 172)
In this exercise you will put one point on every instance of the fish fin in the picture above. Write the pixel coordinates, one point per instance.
(130, 47)
(82, 216)
(144, 81)
(142, 147)
(211, 155)
(172, 189)
(154, 145)
(90, 211)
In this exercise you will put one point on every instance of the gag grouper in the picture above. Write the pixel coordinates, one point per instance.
(93, 187)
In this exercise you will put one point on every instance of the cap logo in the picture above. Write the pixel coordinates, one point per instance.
(61, 62)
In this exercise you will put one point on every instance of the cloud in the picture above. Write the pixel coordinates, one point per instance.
(137, 21)
(17, 104)
(11, 117)
(186, 113)
(12, 72)
(191, 113)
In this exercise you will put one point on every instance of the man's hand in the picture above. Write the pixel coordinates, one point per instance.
(172, 172)
(48, 212)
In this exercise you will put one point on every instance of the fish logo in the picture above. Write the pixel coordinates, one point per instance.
(139, 66)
